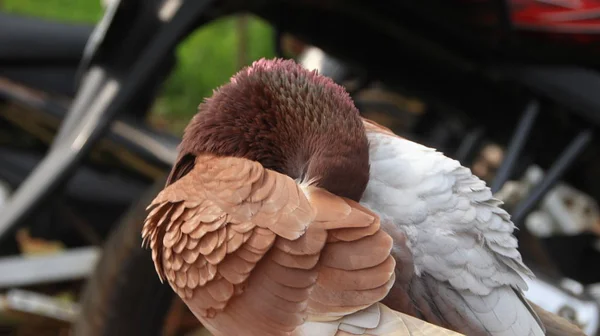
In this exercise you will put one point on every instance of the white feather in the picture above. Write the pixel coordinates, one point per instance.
(456, 231)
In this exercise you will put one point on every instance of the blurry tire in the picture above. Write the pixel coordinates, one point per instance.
(124, 296)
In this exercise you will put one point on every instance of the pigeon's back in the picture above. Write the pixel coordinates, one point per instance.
(466, 270)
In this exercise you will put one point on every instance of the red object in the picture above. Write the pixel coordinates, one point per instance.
(579, 17)
(571, 22)
(567, 22)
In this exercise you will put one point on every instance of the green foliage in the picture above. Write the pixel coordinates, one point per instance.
(206, 59)
(77, 11)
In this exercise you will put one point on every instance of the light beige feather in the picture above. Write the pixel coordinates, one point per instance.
(378, 320)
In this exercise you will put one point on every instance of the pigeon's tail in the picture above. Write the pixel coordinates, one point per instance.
(503, 312)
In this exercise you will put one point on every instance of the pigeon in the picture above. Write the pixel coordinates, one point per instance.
(287, 213)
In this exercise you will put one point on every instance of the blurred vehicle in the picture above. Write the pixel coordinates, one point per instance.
(54, 248)
(508, 88)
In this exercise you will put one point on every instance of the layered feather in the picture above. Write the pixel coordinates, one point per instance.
(253, 253)
(465, 259)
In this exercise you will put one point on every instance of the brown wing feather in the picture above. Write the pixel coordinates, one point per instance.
(209, 229)
(356, 269)
(253, 253)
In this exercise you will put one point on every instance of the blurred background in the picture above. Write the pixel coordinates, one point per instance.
(227, 44)
(94, 96)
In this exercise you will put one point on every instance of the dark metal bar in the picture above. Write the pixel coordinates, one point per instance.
(124, 131)
(566, 158)
(468, 145)
(504, 18)
(515, 146)
(278, 35)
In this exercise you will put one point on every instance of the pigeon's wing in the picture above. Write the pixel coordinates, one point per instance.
(458, 235)
(210, 228)
(355, 271)
(251, 252)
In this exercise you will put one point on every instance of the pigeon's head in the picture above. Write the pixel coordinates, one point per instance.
(289, 119)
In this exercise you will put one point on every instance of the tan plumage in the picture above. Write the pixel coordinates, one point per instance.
(251, 252)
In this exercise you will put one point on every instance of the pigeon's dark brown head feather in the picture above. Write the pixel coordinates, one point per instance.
(289, 119)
